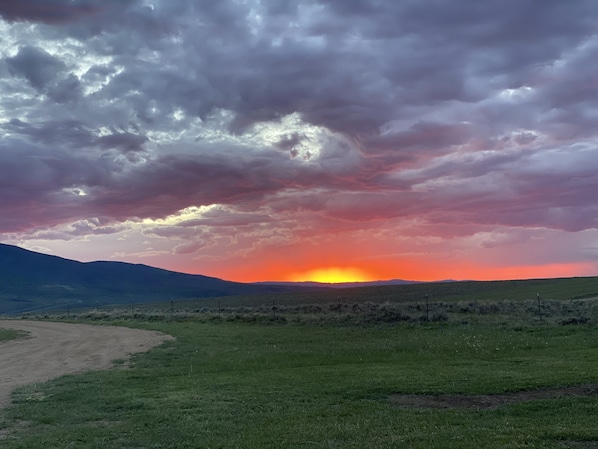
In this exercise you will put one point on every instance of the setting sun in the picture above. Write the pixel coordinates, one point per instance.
(332, 275)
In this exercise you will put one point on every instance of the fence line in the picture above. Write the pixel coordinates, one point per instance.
(424, 311)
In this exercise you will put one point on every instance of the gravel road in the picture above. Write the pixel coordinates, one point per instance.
(54, 349)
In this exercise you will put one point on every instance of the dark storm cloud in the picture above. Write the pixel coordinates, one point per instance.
(35, 184)
(170, 183)
(72, 133)
(75, 134)
(52, 11)
(66, 90)
(36, 66)
(124, 141)
(421, 137)
(374, 60)
(423, 108)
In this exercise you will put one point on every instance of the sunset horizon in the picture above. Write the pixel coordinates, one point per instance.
(324, 140)
(347, 274)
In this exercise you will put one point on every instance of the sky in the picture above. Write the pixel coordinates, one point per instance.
(329, 140)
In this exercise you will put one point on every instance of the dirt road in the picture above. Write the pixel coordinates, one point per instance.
(54, 349)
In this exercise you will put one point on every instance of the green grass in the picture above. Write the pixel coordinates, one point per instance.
(242, 385)
(11, 334)
(487, 312)
(451, 292)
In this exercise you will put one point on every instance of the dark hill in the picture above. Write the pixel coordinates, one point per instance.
(32, 281)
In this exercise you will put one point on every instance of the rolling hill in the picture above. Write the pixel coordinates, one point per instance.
(32, 281)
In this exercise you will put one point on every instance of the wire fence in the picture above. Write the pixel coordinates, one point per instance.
(541, 300)
(273, 308)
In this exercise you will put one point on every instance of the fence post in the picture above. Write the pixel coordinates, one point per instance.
(539, 306)
(427, 308)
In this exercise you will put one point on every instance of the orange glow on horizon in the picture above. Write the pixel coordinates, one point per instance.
(331, 275)
(411, 270)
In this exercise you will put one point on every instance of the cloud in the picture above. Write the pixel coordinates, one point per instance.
(53, 11)
(36, 65)
(43, 10)
(297, 117)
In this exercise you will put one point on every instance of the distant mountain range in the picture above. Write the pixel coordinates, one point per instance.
(31, 281)
(345, 284)
(357, 284)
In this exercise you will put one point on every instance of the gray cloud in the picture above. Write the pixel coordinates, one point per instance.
(54, 11)
(36, 65)
(76, 134)
(51, 11)
(67, 90)
(420, 108)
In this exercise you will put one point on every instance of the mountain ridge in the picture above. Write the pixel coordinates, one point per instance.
(31, 281)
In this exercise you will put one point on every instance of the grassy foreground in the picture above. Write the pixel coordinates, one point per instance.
(11, 334)
(242, 385)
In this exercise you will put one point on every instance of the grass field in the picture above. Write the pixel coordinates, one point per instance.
(10, 334)
(446, 292)
(298, 386)
(491, 373)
